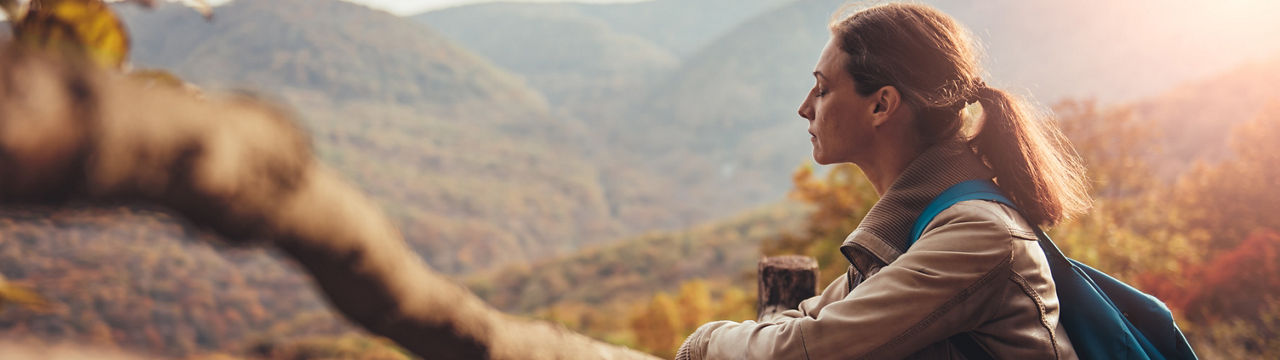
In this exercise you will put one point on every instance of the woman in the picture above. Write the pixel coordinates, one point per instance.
(890, 88)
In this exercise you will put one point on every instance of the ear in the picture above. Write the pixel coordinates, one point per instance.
(884, 104)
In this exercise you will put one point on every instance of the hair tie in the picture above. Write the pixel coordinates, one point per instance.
(978, 87)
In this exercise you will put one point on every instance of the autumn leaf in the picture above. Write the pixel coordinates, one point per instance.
(85, 26)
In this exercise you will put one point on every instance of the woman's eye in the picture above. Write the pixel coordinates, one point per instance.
(818, 92)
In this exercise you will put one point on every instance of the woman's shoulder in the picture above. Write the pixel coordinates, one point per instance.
(996, 216)
(971, 240)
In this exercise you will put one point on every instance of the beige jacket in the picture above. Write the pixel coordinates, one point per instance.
(977, 268)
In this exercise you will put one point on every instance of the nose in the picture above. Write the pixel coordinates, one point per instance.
(806, 107)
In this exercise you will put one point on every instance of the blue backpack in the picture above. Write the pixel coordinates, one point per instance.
(1105, 318)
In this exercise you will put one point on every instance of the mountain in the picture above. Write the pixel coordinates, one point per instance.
(569, 55)
(593, 62)
(681, 26)
(466, 156)
(344, 51)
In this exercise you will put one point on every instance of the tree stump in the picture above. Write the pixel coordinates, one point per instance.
(784, 282)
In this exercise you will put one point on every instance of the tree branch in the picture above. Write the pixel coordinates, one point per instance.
(242, 168)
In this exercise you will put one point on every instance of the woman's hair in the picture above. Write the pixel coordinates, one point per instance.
(933, 62)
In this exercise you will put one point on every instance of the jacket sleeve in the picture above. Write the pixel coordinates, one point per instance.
(933, 291)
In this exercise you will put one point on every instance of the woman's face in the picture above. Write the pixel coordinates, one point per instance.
(840, 125)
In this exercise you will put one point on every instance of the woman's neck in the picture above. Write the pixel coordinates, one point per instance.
(889, 164)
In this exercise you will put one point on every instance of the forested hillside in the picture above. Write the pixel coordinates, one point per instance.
(724, 250)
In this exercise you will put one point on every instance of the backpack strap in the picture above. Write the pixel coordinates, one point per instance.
(969, 190)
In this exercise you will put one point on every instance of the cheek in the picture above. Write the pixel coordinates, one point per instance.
(842, 134)
(836, 124)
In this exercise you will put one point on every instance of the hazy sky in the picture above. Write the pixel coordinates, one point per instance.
(408, 7)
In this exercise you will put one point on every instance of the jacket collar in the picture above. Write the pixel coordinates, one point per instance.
(882, 235)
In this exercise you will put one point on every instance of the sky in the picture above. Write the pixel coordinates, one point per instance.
(410, 7)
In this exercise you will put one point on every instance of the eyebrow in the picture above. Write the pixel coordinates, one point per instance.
(819, 74)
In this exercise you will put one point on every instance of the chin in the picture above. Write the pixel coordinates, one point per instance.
(821, 160)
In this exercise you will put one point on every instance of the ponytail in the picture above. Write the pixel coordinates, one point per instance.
(1034, 163)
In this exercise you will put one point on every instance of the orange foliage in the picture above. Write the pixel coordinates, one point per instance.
(1234, 283)
(657, 326)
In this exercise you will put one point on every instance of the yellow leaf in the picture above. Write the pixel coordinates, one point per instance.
(87, 27)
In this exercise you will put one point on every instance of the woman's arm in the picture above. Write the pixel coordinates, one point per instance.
(942, 286)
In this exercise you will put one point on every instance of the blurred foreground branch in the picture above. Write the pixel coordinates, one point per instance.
(244, 169)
